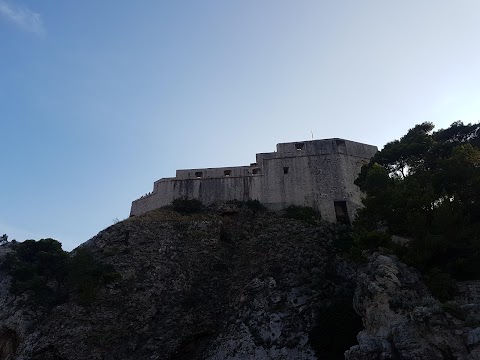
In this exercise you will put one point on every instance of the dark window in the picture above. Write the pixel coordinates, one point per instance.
(227, 172)
(256, 171)
(341, 212)
(198, 174)
(285, 170)
(299, 146)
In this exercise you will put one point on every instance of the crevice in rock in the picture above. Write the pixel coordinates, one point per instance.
(337, 327)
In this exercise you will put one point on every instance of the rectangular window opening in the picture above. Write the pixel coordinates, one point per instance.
(341, 212)
(285, 170)
(299, 146)
(256, 171)
(227, 173)
(199, 174)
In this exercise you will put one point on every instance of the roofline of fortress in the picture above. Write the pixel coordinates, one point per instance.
(274, 152)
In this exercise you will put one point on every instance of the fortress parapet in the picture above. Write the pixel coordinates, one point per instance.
(317, 173)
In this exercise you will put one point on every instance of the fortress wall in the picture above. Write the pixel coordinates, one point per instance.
(311, 173)
(360, 150)
(315, 147)
(356, 155)
(314, 181)
(207, 190)
(325, 147)
(326, 172)
(160, 196)
(221, 172)
(280, 189)
(142, 205)
(351, 169)
(319, 174)
(213, 190)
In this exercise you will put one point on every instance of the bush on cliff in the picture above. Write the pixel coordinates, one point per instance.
(303, 213)
(49, 275)
(187, 206)
(37, 268)
(86, 276)
(254, 205)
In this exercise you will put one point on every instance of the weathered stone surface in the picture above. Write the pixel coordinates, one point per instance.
(202, 286)
(402, 320)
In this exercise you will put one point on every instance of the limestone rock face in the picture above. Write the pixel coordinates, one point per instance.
(401, 319)
(215, 285)
(233, 283)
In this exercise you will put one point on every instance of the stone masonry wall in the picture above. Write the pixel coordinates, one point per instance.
(310, 173)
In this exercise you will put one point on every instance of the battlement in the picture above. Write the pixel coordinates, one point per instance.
(316, 173)
(206, 173)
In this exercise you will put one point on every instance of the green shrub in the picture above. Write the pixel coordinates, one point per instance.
(32, 265)
(302, 213)
(343, 240)
(86, 275)
(225, 235)
(441, 284)
(50, 276)
(355, 254)
(187, 206)
(255, 205)
(371, 240)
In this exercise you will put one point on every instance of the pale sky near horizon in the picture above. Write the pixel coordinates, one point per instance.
(98, 99)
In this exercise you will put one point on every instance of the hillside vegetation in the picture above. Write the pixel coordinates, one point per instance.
(425, 188)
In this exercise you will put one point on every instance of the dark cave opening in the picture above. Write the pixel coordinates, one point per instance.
(337, 327)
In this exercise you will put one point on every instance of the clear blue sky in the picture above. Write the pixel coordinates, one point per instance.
(98, 99)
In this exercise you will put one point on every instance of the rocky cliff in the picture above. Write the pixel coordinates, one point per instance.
(237, 283)
(403, 321)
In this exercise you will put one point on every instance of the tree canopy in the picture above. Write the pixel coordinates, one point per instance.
(51, 276)
(426, 186)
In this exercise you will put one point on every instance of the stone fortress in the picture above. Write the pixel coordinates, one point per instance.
(317, 173)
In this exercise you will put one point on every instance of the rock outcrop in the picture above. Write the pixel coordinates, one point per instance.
(225, 284)
(236, 283)
(403, 321)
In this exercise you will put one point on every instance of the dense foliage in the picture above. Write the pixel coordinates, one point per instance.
(426, 187)
(187, 206)
(50, 276)
(303, 213)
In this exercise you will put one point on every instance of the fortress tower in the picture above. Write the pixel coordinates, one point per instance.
(317, 173)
